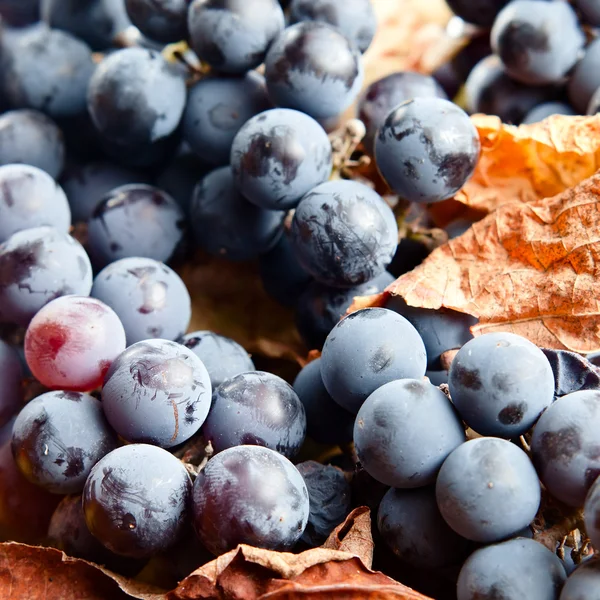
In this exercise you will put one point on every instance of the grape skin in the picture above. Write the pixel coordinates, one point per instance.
(367, 349)
(590, 10)
(591, 512)
(156, 392)
(11, 375)
(584, 582)
(136, 500)
(150, 298)
(58, 437)
(479, 12)
(404, 431)
(585, 78)
(564, 446)
(36, 266)
(249, 495)
(161, 20)
(487, 490)
(547, 109)
(256, 408)
(513, 570)
(278, 156)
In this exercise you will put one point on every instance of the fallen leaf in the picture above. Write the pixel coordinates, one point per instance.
(354, 536)
(531, 162)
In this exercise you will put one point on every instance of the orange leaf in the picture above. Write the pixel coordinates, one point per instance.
(531, 162)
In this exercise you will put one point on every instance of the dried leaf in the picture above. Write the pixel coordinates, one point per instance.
(527, 268)
(531, 162)
(354, 536)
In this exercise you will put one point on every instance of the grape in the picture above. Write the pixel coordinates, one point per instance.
(216, 109)
(48, 70)
(410, 253)
(367, 349)
(585, 78)
(487, 490)
(427, 149)
(72, 341)
(479, 12)
(258, 409)
(135, 220)
(30, 137)
(36, 266)
(161, 20)
(356, 19)
(386, 93)
(547, 109)
(312, 67)
(412, 527)
(501, 383)
(320, 307)
(591, 513)
(148, 297)
(564, 446)
(437, 378)
(157, 392)
(344, 233)
(226, 224)
(329, 495)
(590, 9)
(584, 582)
(513, 570)
(136, 97)
(25, 509)
(19, 13)
(440, 330)
(11, 374)
(278, 156)
(29, 197)
(404, 431)
(537, 41)
(488, 89)
(96, 22)
(233, 36)
(594, 105)
(282, 276)
(222, 357)
(136, 499)
(249, 495)
(326, 421)
(58, 437)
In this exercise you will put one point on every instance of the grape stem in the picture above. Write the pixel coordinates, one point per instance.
(344, 142)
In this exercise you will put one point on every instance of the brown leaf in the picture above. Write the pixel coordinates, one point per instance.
(531, 162)
(354, 536)
(527, 268)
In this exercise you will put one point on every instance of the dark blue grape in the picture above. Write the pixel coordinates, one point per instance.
(30, 137)
(585, 78)
(409, 254)
(440, 330)
(136, 500)
(479, 12)
(19, 13)
(29, 197)
(48, 70)
(437, 377)
(367, 349)
(232, 36)
(539, 42)
(501, 383)
(96, 22)
(564, 446)
(411, 525)
(547, 109)
(36, 266)
(216, 109)
(136, 97)
(487, 490)
(161, 20)
(158, 392)
(594, 105)
(590, 10)
(326, 421)
(226, 224)
(249, 495)
(58, 437)
(258, 409)
(312, 67)
(86, 185)
(513, 570)
(344, 233)
(11, 375)
(222, 357)
(356, 19)
(321, 307)
(386, 93)
(584, 582)
(404, 431)
(148, 297)
(135, 220)
(591, 512)
(427, 149)
(278, 156)
(329, 494)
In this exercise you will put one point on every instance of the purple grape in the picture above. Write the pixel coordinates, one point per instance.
(584, 582)
(162, 20)
(585, 78)
(547, 109)
(11, 376)
(591, 512)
